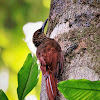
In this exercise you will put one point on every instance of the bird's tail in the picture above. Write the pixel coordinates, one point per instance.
(51, 85)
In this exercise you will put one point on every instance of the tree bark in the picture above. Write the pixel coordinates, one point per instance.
(76, 22)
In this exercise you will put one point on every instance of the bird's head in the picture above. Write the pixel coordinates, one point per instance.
(39, 35)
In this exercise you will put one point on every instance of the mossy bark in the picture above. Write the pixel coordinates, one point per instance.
(76, 21)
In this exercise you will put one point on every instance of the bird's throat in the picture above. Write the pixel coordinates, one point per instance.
(38, 41)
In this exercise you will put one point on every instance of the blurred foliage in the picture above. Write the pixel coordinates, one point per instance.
(13, 50)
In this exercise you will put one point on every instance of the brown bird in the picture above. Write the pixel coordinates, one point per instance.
(51, 58)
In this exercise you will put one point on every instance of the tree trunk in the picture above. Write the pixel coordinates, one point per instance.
(74, 22)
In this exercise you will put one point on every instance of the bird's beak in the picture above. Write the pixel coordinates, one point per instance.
(44, 24)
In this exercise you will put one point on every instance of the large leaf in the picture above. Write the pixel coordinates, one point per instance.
(80, 89)
(27, 77)
(2, 95)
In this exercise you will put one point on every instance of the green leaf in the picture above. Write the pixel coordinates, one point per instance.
(27, 77)
(80, 89)
(3, 95)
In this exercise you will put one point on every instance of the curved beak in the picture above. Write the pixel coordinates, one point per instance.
(44, 24)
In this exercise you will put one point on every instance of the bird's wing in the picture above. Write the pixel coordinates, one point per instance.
(50, 55)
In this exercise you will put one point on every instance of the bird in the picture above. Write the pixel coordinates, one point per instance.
(51, 60)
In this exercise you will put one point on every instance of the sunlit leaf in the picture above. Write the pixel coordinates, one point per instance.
(80, 89)
(2, 95)
(27, 77)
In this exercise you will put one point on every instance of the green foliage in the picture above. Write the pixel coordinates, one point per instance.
(2, 95)
(80, 89)
(27, 77)
(14, 14)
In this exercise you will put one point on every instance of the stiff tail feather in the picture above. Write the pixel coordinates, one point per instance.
(51, 84)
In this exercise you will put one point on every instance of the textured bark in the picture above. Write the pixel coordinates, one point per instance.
(76, 21)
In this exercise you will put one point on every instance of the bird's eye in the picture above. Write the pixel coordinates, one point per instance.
(39, 32)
